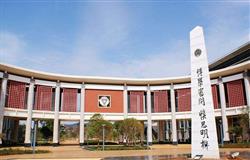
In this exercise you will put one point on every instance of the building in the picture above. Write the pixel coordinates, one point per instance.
(163, 104)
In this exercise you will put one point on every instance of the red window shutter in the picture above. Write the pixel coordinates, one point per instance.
(235, 93)
(16, 95)
(133, 102)
(156, 101)
(163, 101)
(69, 100)
(184, 99)
(140, 96)
(160, 101)
(43, 98)
(136, 101)
(215, 96)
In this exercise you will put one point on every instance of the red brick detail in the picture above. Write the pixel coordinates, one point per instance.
(235, 93)
(16, 95)
(184, 99)
(91, 101)
(43, 100)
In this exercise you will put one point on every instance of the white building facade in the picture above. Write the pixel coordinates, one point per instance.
(164, 104)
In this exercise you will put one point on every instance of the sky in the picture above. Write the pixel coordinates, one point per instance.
(139, 39)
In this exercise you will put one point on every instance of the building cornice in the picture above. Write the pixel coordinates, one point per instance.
(116, 80)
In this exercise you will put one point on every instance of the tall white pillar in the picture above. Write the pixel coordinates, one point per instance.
(30, 102)
(56, 116)
(125, 101)
(82, 115)
(174, 130)
(2, 102)
(247, 91)
(223, 110)
(149, 128)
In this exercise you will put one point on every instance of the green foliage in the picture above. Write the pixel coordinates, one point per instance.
(130, 129)
(96, 125)
(46, 130)
(244, 124)
(241, 130)
(117, 130)
(62, 133)
(21, 133)
(237, 130)
(10, 151)
(236, 145)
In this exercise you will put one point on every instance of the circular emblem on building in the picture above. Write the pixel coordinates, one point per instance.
(104, 101)
(197, 52)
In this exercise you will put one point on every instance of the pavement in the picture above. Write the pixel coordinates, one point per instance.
(78, 153)
(60, 159)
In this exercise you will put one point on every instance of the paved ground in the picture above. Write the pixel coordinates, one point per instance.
(76, 152)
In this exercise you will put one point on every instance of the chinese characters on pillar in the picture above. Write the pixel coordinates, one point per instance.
(204, 136)
(202, 113)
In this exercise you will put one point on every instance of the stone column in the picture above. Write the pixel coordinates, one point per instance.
(223, 110)
(149, 128)
(2, 102)
(174, 131)
(56, 116)
(27, 141)
(125, 101)
(82, 115)
(247, 91)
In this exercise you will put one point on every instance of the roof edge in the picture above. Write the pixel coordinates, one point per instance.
(116, 80)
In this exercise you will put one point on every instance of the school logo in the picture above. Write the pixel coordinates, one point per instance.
(197, 52)
(104, 101)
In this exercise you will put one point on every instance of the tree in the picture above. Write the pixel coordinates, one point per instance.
(47, 129)
(95, 127)
(62, 132)
(130, 129)
(46, 132)
(244, 124)
(242, 129)
(235, 131)
(117, 131)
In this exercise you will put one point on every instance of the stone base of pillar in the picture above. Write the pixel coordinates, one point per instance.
(175, 143)
(226, 142)
(55, 144)
(27, 144)
(150, 143)
(82, 144)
